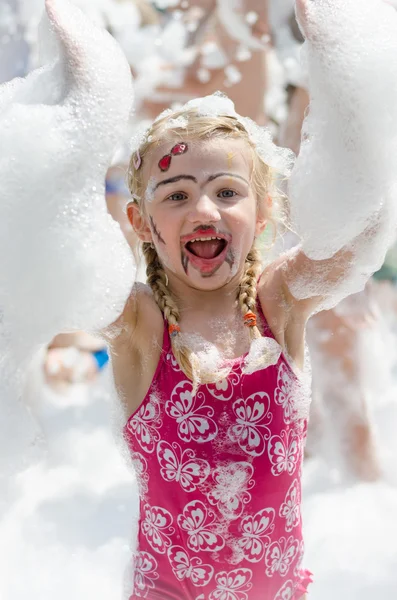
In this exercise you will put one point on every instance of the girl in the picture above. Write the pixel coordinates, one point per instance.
(207, 359)
(223, 438)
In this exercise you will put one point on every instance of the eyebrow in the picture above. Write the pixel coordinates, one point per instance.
(191, 178)
(212, 177)
(175, 179)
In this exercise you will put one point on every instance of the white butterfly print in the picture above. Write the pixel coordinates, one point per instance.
(144, 425)
(185, 567)
(280, 555)
(145, 575)
(230, 490)
(284, 453)
(182, 467)
(224, 389)
(156, 526)
(286, 592)
(198, 523)
(255, 534)
(290, 508)
(285, 393)
(232, 585)
(252, 419)
(170, 358)
(192, 414)
(140, 467)
(298, 566)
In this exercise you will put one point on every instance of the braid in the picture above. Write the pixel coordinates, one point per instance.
(247, 289)
(156, 279)
(186, 359)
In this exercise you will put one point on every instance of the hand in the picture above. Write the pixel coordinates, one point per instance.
(67, 366)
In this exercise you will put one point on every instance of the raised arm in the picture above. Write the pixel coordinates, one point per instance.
(343, 190)
(64, 262)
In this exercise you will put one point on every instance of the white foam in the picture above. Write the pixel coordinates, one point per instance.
(233, 75)
(65, 262)
(280, 159)
(236, 23)
(343, 188)
(179, 122)
(263, 353)
(150, 188)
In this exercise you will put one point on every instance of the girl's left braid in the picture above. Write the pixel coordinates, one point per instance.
(156, 278)
(248, 291)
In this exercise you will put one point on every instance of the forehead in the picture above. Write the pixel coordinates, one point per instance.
(202, 156)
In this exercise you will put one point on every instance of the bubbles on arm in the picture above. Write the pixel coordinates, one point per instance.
(342, 189)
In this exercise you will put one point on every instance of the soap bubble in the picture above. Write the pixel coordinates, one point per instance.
(343, 187)
(65, 262)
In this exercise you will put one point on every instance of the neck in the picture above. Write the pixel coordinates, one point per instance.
(221, 302)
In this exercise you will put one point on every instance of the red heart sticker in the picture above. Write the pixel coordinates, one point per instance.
(164, 163)
(179, 149)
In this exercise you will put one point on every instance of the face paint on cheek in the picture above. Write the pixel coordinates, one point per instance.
(156, 231)
(232, 260)
(185, 261)
(230, 256)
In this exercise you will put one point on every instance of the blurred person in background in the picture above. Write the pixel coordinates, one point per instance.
(224, 49)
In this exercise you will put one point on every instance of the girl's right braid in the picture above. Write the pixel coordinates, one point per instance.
(156, 279)
(248, 293)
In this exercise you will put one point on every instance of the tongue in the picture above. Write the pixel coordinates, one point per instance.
(209, 249)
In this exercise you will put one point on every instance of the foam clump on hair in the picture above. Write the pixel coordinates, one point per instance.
(343, 190)
(180, 122)
(219, 105)
(65, 264)
(207, 361)
(263, 353)
(214, 105)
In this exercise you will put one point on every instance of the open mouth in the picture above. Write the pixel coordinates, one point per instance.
(206, 247)
(205, 250)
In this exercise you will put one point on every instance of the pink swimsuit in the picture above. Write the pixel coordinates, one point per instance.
(220, 490)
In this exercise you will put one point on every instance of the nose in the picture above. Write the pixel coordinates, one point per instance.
(204, 210)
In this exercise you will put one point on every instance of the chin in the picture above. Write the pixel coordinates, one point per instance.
(211, 281)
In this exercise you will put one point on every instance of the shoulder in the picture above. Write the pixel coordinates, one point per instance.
(140, 321)
(285, 316)
(273, 299)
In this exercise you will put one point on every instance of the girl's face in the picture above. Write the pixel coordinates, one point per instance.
(200, 210)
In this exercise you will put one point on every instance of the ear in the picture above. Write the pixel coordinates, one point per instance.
(139, 222)
(262, 218)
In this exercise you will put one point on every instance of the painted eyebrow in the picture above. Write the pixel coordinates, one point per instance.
(175, 179)
(191, 178)
(212, 177)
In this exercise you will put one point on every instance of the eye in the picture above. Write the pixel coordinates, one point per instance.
(177, 197)
(227, 194)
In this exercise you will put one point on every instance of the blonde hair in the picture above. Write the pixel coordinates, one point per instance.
(179, 126)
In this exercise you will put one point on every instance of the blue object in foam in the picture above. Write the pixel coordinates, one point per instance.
(102, 358)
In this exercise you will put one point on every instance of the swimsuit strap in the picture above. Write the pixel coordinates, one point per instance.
(267, 332)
